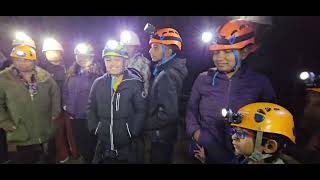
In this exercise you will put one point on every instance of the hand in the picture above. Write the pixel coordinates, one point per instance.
(196, 135)
(200, 154)
(13, 128)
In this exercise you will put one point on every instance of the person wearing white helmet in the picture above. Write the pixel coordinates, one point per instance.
(137, 63)
(54, 64)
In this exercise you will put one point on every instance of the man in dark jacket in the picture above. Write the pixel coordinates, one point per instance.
(166, 89)
(64, 137)
(231, 85)
(117, 108)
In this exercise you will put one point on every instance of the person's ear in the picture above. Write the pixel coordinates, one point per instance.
(169, 51)
(244, 53)
(271, 146)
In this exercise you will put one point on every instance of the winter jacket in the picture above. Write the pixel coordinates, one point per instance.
(117, 117)
(142, 65)
(207, 101)
(76, 93)
(32, 117)
(165, 92)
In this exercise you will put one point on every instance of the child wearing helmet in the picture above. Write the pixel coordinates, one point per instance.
(230, 84)
(169, 74)
(79, 79)
(262, 133)
(116, 110)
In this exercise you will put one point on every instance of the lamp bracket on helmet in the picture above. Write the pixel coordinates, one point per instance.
(232, 117)
(149, 28)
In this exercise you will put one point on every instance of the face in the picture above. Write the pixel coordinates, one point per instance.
(224, 60)
(84, 61)
(155, 52)
(115, 65)
(23, 65)
(54, 57)
(243, 141)
(131, 50)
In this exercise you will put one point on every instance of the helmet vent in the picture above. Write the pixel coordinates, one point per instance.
(268, 109)
(261, 111)
(234, 32)
(242, 26)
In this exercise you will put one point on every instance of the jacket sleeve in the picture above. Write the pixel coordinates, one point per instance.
(5, 121)
(56, 99)
(193, 108)
(92, 108)
(167, 111)
(139, 103)
(268, 94)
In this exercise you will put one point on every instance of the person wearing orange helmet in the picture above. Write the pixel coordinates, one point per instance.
(230, 84)
(165, 91)
(29, 103)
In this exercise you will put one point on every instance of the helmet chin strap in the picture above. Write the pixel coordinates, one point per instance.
(256, 155)
(235, 53)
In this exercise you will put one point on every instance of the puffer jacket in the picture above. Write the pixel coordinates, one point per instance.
(117, 117)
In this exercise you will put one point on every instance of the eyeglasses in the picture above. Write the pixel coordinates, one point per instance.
(241, 133)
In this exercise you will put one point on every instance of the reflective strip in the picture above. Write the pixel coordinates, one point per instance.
(128, 129)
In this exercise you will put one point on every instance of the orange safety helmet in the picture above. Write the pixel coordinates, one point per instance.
(24, 51)
(267, 117)
(167, 36)
(236, 34)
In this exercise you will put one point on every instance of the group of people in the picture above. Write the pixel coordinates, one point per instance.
(52, 114)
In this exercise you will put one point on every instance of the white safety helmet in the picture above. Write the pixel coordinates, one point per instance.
(129, 38)
(51, 44)
(23, 39)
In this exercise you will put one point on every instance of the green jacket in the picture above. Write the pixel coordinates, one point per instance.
(33, 119)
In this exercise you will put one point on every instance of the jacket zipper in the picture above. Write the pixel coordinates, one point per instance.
(229, 89)
(118, 102)
(111, 124)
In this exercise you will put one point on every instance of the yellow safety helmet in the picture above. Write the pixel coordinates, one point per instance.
(314, 89)
(267, 117)
(25, 52)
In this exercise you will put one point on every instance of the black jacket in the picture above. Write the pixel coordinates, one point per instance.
(164, 96)
(58, 72)
(117, 117)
